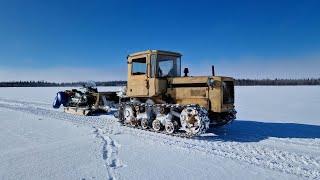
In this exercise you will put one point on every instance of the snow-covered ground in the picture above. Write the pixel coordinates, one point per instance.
(276, 136)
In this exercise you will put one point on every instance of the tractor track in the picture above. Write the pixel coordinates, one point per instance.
(302, 165)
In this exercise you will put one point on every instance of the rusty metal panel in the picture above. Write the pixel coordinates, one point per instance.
(188, 80)
(215, 97)
(198, 92)
(200, 101)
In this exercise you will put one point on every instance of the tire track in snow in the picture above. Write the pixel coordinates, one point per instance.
(13, 101)
(301, 142)
(283, 161)
(292, 163)
(109, 153)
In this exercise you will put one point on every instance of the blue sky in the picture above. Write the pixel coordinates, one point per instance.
(74, 40)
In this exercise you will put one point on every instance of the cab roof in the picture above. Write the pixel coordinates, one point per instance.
(155, 52)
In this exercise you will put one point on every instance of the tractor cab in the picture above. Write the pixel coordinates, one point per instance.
(148, 72)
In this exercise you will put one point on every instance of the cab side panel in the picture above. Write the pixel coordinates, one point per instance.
(157, 86)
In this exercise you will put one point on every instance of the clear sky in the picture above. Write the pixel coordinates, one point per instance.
(71, 40)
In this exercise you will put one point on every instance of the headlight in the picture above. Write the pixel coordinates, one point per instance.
(211, 82)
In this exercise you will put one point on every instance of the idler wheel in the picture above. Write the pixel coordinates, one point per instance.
(194, 120)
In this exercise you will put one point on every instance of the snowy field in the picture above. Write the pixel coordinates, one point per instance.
(276, 136)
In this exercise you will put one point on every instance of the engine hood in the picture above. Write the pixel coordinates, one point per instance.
(198, 81)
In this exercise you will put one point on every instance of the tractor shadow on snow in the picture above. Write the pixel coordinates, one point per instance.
(254, 131)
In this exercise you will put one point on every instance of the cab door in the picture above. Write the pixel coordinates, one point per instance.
(138, 77)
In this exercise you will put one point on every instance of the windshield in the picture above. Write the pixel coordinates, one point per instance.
(168, 66)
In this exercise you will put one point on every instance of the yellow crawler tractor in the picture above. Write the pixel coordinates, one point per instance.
(159, 98)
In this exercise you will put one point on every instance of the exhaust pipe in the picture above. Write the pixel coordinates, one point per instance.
(186, 71)
(212, 69)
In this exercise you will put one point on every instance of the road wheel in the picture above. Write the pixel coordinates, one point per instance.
(169, 127)
(129, 115)
(156, 125)
(144, 124)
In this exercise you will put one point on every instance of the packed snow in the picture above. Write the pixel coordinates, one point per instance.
(276, 136)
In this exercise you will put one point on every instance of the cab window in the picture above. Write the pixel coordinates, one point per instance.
(168, 66)
(139, 66)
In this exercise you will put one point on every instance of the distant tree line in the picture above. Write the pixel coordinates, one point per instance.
(239, 82)
(277, 82)
(54, 84)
